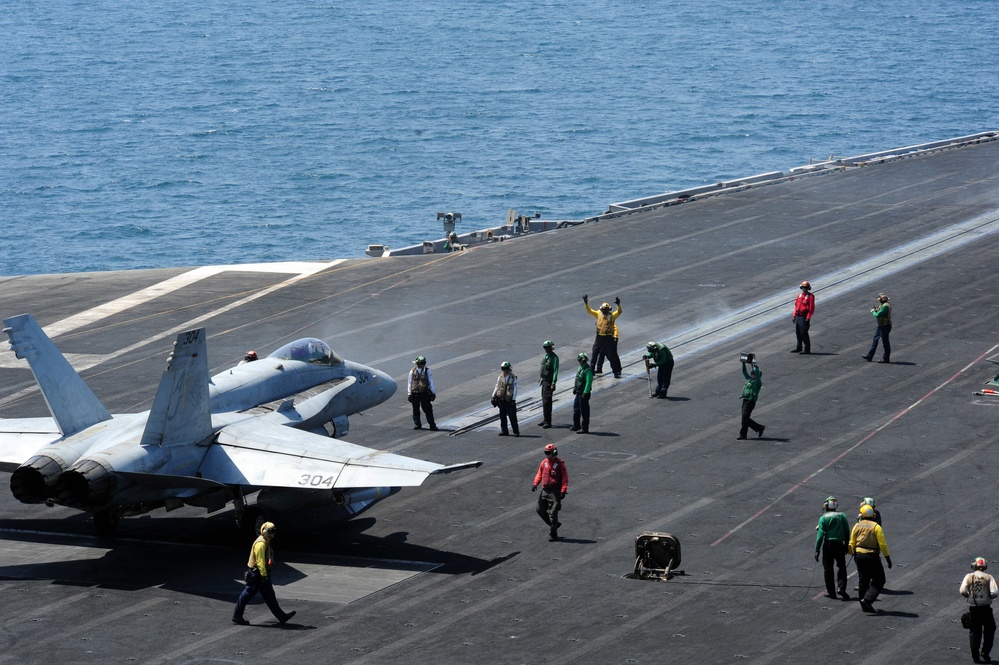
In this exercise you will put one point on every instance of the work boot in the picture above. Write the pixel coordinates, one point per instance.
(868, 358)
(418, 427)
(240, 621)
(433, 428)
(287, 617)
(760, 433)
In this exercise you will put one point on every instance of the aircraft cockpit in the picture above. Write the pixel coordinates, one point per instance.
(309, 350)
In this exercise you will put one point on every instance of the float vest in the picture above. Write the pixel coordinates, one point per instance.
(420, 383)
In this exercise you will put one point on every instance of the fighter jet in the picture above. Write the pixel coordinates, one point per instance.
(260, 430)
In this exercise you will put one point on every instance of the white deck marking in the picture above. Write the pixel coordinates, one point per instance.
(300, 270)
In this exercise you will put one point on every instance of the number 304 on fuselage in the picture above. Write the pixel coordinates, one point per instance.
(263, 428)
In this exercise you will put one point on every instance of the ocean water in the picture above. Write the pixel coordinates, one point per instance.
(139, 135)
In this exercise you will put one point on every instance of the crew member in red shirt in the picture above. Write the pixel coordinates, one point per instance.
(554, 481)
(804, 307)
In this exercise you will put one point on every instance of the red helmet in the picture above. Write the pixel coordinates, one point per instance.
(550, 448)
(806, 285)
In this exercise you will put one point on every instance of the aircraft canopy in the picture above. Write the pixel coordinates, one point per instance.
(309, 350)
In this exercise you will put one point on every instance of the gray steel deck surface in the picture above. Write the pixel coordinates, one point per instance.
(460, 570)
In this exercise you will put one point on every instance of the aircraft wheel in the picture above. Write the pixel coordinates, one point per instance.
(106, 522)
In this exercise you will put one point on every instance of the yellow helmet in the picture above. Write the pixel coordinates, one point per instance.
(866, 512)
(268, 527)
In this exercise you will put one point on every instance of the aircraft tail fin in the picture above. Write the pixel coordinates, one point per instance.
(72, 404)
(181, 411)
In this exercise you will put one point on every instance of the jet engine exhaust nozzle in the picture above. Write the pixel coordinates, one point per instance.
(35, 480)
(89, 484)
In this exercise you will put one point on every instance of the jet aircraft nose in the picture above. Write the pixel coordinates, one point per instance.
(386, 384)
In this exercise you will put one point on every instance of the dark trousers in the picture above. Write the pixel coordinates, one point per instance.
(508, 410)
(747, 422)
(801, 333)
(663, 377)
(581, 412)
(605, 346)
(549, 504)
(983, 624)
(546, 402)
(882, 334)
(834, 553)
(871, 574)
(254, 584)
(422, 400)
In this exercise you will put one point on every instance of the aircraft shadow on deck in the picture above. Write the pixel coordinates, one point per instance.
(205, 557)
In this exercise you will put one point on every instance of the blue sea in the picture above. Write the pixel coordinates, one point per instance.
(169, 133)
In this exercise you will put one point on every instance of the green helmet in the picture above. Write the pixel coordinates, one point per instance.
(651, 346)
(582, 356)
(420, 360)
(505, 365)
(548, 344)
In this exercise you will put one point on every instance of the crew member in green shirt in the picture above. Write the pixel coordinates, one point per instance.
(549, 377)
(750, 392)
(581, 389)
(832, 537)
(663, 358)
(882, 312)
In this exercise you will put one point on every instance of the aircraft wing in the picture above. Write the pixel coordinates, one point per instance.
(265, 454)
(20, 438)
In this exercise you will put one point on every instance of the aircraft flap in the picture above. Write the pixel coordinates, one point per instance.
(264, 454)
(73, 406)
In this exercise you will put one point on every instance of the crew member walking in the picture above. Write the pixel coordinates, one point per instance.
(663, 358)
(421, 392)
(867, 544)
(980, 588)
(869, 501)
(882, 312)
(833, 532)
(605, 343)
(258, 577)
(581, 389)
(549, 377)
(804, 307)
(750, 393)
(505, 397)
(554, 480)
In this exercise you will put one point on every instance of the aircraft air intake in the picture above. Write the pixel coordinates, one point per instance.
(33, 481)
(89, 484)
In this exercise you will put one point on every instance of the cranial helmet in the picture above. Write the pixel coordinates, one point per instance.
(605, 307)
(550, 448)
(868, 501)
(980, 563)
(420, 360)
(505, 365)
(268, 527)
(582, 356)
(806, 285)
(866, 512)
(548, 344)
(651, 346)
(831, 503)
(251, 355)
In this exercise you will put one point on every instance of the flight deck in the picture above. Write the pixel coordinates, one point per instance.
(460, 570)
